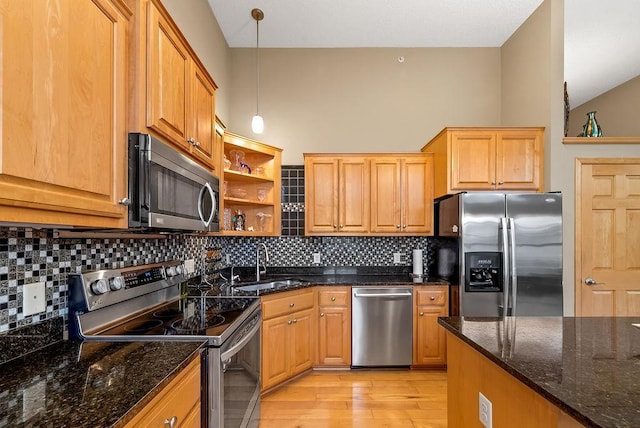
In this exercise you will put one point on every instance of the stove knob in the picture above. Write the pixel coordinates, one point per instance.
(99, 286)
(171, 271)
(116, 283)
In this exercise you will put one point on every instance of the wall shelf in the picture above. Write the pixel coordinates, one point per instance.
(601, 140)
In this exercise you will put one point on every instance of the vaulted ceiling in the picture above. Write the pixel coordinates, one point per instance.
(602, 39)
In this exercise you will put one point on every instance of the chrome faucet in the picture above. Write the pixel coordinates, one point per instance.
(266, 259)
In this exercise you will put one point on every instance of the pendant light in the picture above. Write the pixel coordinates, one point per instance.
(257, 124)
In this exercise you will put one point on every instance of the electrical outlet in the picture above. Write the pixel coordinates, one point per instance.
(485, 410)
(33, 298)
(397, 257)
(189, 266)
(316, 258)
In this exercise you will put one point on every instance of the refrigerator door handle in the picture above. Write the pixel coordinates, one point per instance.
(506, 264)
(512, 267)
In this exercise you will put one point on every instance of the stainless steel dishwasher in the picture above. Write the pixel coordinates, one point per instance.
(381, 326)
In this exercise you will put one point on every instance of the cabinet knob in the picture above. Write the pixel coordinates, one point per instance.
(433, 297)
(333, 299)
(421, 314)
(289, 322)
(501, 183)
(321, 314)
(191, 140)
(291, 305)
(404, 226)
(295, 320)
(335, 226)
(171, 423)
(196, 143)
(397, 226)
(341, 226)
(493, 183)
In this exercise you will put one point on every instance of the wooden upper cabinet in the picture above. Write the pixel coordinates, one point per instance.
(402, 194)
(337, 194)
(174, 95)
(487, 159)
(63, 154)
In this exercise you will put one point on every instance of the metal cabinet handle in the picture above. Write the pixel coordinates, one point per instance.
(591, 282)
(333, 299)
(291, 305)
(171, 423)
(321, 314)
(421, 314)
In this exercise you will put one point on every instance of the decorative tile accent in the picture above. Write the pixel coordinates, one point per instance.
(292, 206)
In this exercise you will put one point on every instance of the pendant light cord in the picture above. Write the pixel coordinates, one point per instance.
(257, 66)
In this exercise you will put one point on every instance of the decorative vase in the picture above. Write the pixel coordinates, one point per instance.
(591, 128)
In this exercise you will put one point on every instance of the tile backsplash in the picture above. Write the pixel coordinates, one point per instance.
(38, 255)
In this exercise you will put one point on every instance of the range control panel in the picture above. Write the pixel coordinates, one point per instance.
(106, 287)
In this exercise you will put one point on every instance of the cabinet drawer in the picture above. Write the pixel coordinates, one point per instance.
(180, 398)
(286, 303)
(437, 296)
(334, 296)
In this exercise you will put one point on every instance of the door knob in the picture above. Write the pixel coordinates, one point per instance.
(590, 281)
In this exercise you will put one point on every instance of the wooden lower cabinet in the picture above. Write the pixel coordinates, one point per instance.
(429, 343)
(334, 327)
(288, 336)
(180, 399)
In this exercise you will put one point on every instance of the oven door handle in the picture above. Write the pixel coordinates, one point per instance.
(235, 348)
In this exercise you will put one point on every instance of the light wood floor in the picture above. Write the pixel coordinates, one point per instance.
(359, 398)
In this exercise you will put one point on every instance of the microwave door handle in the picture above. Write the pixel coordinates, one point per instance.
(144, 170)
(206, 188)
(512, 266)
(505, 268)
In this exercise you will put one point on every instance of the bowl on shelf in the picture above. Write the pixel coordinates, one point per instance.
(238, 193)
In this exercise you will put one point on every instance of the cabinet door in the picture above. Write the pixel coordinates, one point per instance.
(385, 195)
(321, 192)
(275, 351)
(203, 113)
(417, 195)
(473, 155)
(62, 117)
(429, 346)
(353, 195)
(301, 341)
(519, 160)
(334, 338)
(167, 79)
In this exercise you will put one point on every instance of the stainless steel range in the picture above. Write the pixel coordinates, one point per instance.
(154, 302)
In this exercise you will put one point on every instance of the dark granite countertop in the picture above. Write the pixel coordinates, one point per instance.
(97, 384)
(588, 367)
(353, 276)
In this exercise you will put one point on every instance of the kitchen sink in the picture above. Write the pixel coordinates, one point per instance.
(271, 285)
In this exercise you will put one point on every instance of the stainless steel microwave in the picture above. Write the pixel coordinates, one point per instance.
(169, 191)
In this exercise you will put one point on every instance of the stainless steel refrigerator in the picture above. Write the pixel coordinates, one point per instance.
(509, 251)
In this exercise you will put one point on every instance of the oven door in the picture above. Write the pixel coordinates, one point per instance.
(234, 378)
(171, 191)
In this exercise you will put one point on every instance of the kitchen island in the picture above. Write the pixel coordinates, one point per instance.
(544, 371)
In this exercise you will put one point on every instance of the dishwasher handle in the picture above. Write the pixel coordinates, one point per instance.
(405, 294)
